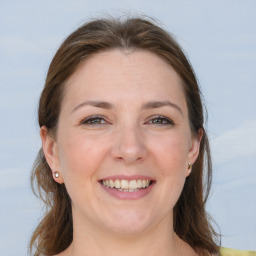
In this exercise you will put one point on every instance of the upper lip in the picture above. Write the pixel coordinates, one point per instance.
(130, 177)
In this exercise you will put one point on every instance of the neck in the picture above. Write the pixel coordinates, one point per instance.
(89, 240)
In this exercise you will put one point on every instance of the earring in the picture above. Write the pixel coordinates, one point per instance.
(56, 174)
(189, 166)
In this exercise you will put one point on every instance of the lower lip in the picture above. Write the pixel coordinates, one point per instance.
(128, 195)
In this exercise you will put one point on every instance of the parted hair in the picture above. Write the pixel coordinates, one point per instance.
(191, 221)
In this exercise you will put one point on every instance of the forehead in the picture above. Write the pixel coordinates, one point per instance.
(125, 76)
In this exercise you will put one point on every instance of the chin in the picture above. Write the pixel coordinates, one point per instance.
(127, 230)
(128, 223)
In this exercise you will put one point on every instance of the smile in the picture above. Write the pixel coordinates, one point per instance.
(127, 185)
(127, 188)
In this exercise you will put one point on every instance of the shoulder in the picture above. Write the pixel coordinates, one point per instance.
(232, 252)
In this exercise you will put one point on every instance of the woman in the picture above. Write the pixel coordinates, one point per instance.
(124, 147)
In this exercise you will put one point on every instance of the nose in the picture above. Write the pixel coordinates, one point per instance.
(129, 146)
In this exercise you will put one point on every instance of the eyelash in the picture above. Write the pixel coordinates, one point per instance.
(164, 119)
(91, 121)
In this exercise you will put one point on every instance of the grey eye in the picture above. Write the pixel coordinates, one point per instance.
(160, 120)
(97, 120)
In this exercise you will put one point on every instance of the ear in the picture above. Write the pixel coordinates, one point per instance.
(50, 149)
(194, 148)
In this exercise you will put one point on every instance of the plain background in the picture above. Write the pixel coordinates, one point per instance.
(220, 39)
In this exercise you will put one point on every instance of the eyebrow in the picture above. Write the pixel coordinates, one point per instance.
(148, 105)
(95, 103)
(159, 104)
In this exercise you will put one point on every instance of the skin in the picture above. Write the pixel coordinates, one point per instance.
(126, 139)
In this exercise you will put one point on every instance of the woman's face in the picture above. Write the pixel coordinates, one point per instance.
(123, 142)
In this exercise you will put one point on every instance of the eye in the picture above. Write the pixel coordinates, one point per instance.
(94, 120)
(160, 120)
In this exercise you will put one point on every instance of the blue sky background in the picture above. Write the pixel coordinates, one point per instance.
(220, 40)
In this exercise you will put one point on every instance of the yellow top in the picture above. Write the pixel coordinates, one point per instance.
(232, 252)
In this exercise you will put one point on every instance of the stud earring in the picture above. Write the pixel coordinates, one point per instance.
(56, 174)
(189, 166)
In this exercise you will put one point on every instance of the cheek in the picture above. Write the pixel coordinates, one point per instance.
(80, 155)
(171, 154)
(80, 159)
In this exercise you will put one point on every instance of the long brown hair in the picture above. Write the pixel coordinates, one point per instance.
(191, 222)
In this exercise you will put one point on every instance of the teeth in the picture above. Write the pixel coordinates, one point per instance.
(128, 190)
(111, 183)
(125, 185)
(133, 184)
(117, 184)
